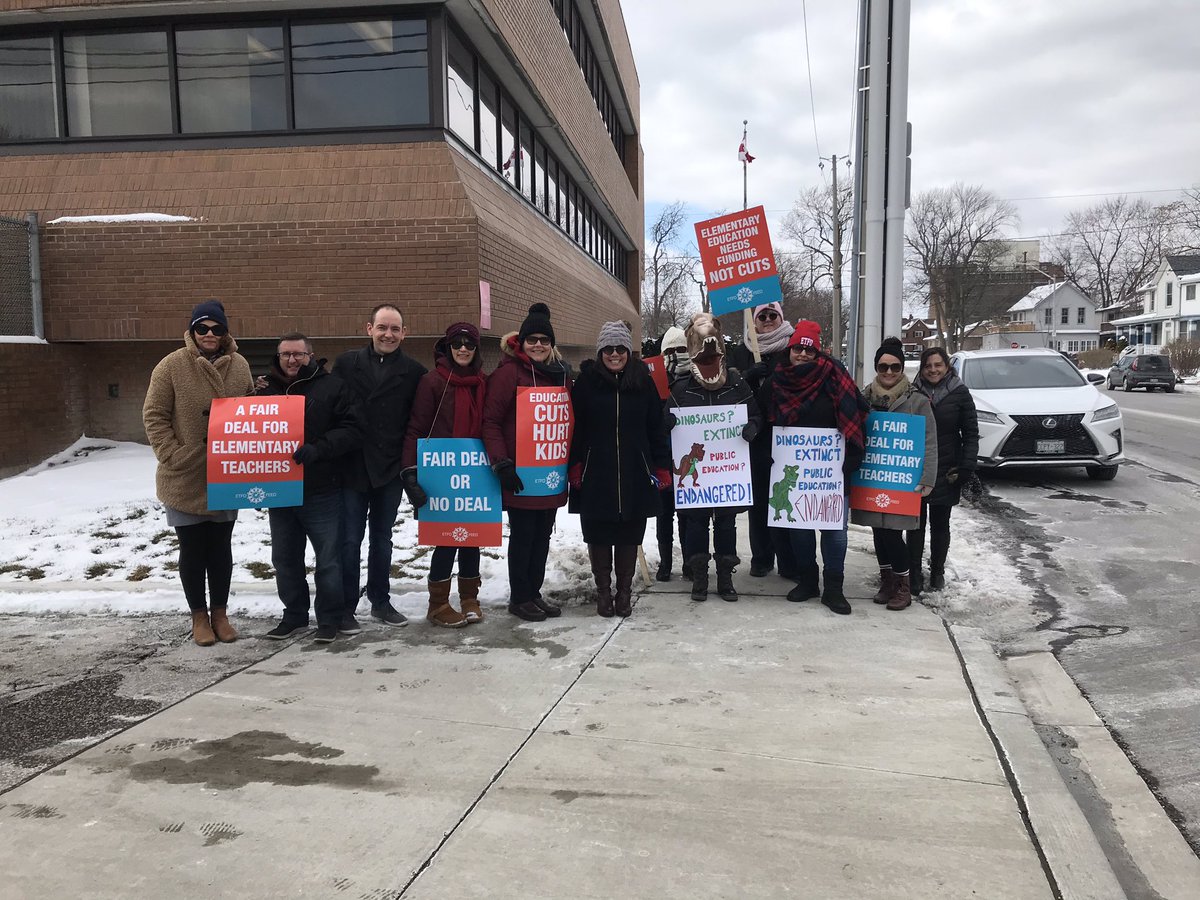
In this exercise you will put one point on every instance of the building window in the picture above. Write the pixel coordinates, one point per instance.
(1065, 318)
(1170, 294)
(489, 121)
(28, 89)
(231, 79)
(577, 37)
(508, 140)
(460, 90)
(360, 74)
(1190, 293)
(1049, 316)
(1081, 317)
(117, 84)
(526, 157)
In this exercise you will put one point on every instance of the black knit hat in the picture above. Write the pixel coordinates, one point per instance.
(537, 322)
(209, 309)
(891, 346)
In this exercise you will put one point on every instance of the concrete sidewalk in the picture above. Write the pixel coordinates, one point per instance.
(758, 749)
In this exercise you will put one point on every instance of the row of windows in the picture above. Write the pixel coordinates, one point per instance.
(485, 118)
(1065, 316)
(1076, 346)
(206, 79)
(589, 65)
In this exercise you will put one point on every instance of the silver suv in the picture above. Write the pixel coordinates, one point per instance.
(1142, 370)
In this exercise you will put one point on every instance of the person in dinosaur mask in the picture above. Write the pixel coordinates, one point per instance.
(712, 383)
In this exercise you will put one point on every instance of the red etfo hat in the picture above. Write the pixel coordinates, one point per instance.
(806, 334)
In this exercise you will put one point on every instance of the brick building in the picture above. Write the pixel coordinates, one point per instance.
(321, 159)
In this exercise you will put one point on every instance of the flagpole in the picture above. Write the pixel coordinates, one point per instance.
(745, 195)
(748, 331)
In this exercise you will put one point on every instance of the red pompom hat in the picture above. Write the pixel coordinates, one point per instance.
(806, 334)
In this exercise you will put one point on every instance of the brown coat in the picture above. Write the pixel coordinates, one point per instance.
(182, 388)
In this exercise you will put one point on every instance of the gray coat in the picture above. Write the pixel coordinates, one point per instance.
(914, 403)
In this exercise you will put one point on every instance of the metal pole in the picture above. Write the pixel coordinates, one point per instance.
(836, 330)
(745, 193)
(897, 167)
(35, 275)
(860, 112)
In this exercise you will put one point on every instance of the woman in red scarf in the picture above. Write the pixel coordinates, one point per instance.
(448, 404)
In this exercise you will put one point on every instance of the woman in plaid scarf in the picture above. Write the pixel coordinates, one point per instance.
(813, 390)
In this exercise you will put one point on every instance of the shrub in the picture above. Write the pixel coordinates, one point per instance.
(1096, 359)
(1184, 356)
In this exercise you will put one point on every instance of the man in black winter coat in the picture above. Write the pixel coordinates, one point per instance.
(385, 381)
(332, 434)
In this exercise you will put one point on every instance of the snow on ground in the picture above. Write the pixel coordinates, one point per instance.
(121, 217)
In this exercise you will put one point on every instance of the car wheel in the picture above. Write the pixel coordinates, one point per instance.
(1108, 383)
(1126, 386)
(1170, 389)
(1102, 473)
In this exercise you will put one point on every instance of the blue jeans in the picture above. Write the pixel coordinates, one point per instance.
(319, 520)
(376, 507)
(833, 545)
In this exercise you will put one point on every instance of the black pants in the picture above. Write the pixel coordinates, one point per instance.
(891, 550)
(441, 563)
(724, 534)
(528, 548)
(204, 550)
(664, 529)
(938, 520)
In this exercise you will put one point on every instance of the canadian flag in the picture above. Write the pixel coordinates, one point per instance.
(517, 154)
(743, 156)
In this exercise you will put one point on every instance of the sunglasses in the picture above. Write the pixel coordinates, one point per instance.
(218, 330)
(614, 351)
(889, 368)
(538, 339)
(463, 344)
(767, 317)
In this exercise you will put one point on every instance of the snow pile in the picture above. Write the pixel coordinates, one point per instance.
(122, 217)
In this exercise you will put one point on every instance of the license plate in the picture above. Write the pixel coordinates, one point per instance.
(1051, 447)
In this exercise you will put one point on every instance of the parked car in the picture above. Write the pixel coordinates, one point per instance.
(1037, 409)
(1142, 370)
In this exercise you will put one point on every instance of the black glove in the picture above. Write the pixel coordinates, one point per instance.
(755, 374)
(973, 489)
(306, 454)
(412, 488)
(672, 420)
(507, 475)
(749, 432)
(952, 474)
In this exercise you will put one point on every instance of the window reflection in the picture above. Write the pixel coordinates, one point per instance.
(231, 79)
(460, 89)
(28, 89)
(117, 84)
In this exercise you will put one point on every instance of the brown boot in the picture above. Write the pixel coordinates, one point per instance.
(902, 599)
(468, 596)
(625, 562)
(601, 556)
(440, 610)
(887, 586)
(225, 632)
(202, 632)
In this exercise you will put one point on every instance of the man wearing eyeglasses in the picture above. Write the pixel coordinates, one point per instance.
(384, 379)
(333, 428)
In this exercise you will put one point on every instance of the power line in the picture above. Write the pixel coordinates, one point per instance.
(812, 104)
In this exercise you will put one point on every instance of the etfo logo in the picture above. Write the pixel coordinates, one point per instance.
(745, 296)
(883, 501)
(460, 534)
(256, 495)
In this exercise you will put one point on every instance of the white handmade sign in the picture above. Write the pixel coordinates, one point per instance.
(710, 459)
(807, 487)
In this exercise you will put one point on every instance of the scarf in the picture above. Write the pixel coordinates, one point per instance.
(940, 391)
(552, 368)
(775, 340)
(469, 387)
(794, 388)
(884, 399)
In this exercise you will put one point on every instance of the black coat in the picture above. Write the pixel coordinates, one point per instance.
(620, 440)
(385, 386)
(958, 441)
(821, 413)
(333, 422)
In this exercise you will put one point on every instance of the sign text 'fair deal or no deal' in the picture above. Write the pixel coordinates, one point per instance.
(544, 424)
(711, 459)
(739, 265)
(250, 445)
(463, 509)
(889, 478)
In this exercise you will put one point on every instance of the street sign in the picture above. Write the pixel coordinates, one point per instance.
(739, 265)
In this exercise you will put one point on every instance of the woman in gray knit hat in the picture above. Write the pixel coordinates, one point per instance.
(620, 460)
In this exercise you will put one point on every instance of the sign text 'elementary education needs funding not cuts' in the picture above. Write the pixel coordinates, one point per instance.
(739, 264)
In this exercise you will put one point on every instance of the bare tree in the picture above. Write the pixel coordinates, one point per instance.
(815, 217)
(667, 288)
(956, 246)
(1186, 216)
(1111, 248)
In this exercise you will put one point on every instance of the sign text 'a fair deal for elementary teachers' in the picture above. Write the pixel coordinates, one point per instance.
(739, 264)
(250, 445)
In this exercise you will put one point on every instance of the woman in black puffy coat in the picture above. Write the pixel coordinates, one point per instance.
(620, 458)
(958, 447)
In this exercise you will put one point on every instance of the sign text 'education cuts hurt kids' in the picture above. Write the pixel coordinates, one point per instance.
(250, 447)
(545, 421)
(710, 459)
(807, 486)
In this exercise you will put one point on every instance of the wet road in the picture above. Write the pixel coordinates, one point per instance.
(1115, 573)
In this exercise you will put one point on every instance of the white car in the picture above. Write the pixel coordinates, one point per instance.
(1037, 409)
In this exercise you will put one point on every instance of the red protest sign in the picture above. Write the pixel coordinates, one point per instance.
(739, 265)
(658, 372)
(250, 445)
(545, 420)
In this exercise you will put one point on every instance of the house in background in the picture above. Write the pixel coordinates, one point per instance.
(914, 333)
(1059, 316)
(1169, 304)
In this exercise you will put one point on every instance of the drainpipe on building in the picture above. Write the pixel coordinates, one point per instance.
(35, 275)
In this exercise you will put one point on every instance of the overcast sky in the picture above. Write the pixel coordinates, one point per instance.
(1029, 98)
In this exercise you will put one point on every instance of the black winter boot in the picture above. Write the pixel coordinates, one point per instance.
(725, 567)
(698, 565)
(916, 579)
(833, 596)
(939, 546)
(808, 584)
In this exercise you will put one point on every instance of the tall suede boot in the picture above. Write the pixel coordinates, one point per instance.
(601, 557)
(939, 547)
(202, 632)
(808, 584)
(698, 565)
(833, 596)
(468, 597)
(225, 632)
(902, 599)
(887, 585)
(625, 563)
(440, 610)
(725, 567)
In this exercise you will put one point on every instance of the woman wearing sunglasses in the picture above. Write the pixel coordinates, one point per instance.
(891, 391)
(182, 388)
(620, 458)
(530, 360)
(448, 404)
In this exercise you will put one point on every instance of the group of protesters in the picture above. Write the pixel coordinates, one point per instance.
(365, 414)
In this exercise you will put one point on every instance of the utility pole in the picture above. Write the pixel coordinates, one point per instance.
(836, 330)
